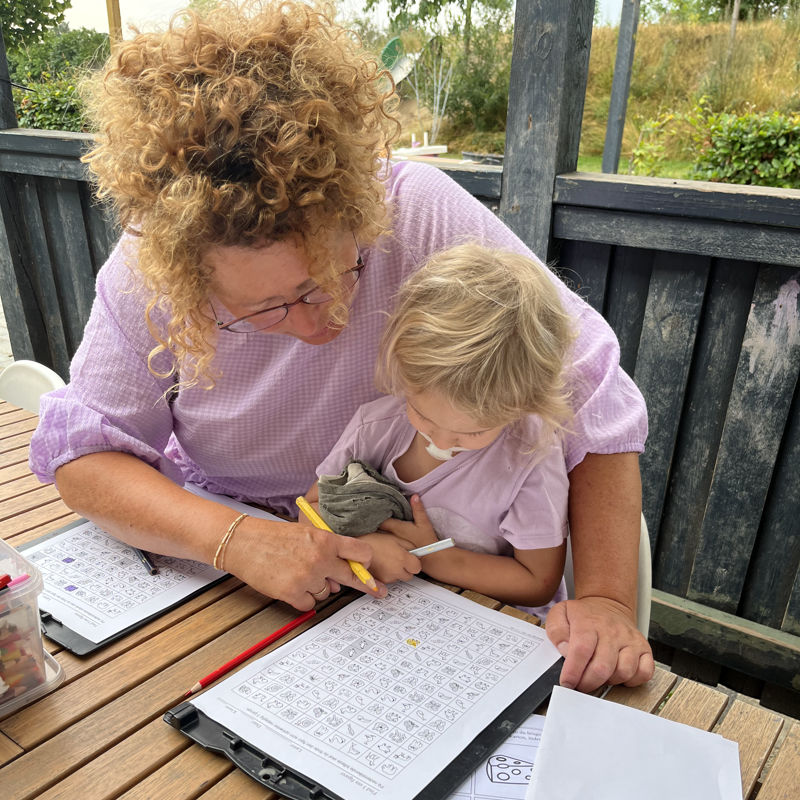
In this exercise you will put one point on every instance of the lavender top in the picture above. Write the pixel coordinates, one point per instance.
(280, 405)
(511, 494)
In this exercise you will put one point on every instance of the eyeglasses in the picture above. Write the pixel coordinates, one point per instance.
(259, 320)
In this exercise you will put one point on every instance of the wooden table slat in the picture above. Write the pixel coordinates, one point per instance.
(11, 472)
(12, 431)
(237, 784)
(694, 704)
(182, 778)
(23, 485)
(14, 455)
(29, 501)
(18, 530)
(755, 729)
(13, 415)
(9, 749)
(647, 697)
(121, 766)
(783, 779)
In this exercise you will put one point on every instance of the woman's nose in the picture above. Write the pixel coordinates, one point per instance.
(305, 319)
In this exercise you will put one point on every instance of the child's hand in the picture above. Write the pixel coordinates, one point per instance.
(419, 532)
(391, 560)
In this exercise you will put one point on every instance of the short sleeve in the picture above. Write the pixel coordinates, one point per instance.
(537, 515)
(112, 402)
(345, 450)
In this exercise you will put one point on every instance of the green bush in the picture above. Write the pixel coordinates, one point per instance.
(53, 105)
(756, 149)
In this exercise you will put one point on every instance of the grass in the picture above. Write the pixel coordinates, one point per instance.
(667, 169)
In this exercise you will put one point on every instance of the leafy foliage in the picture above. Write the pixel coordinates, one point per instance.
(60, 53)
(756, 149)
(51, 105)
(479, 94)
(26, 21)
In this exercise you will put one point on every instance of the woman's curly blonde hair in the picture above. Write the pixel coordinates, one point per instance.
(252, 123)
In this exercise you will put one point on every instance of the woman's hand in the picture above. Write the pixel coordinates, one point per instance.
(419, 532)
(391, 561)
(600, 644)
(295, 562)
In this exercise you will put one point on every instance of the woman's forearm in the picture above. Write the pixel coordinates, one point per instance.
(138, 505)
(605, 505)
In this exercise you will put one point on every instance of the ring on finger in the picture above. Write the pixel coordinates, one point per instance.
(323, 590)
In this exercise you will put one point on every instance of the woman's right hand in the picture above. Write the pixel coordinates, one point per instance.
(296, 562)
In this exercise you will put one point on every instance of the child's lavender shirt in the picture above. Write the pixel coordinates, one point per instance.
(279, 405)
(511, 494)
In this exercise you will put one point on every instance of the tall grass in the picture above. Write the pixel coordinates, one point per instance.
(677, 64)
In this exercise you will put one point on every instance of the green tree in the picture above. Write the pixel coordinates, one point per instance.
(442, 16)
(61, 52)
(26, 21)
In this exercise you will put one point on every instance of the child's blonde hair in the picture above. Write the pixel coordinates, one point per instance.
(485, 328)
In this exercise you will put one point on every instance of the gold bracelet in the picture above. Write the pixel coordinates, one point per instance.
(219, 556)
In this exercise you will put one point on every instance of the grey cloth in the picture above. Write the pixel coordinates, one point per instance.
(359, 499)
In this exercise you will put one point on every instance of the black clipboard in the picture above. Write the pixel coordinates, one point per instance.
(290, 783)
(80, 645)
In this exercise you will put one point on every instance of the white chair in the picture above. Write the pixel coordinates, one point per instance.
(644, 584)
(22, 383)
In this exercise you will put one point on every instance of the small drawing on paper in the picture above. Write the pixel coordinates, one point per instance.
(505, 769)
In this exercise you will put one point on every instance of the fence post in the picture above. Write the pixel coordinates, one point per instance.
(621, 85)
(549, 68)
(18, 306)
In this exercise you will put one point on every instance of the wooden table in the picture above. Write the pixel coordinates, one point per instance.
(100, 734)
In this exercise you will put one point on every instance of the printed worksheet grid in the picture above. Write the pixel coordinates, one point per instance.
(102, 571)
(389, 679)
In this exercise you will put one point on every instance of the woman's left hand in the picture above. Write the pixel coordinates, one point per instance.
(420, 532)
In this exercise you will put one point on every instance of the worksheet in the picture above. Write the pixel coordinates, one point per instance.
(505, 775)
(380, 697)
(96, 586)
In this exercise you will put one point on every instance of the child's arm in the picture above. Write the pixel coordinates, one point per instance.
(529, 578)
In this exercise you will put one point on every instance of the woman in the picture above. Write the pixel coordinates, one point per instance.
(236, 324)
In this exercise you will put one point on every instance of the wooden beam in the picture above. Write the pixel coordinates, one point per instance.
(621, 85)
(658, 232)
(549, 67)
(758, 205)
(754, 649)
(114, 21)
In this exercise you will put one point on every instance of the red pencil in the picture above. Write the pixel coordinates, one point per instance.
(234, 662)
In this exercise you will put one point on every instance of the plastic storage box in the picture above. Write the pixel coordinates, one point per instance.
(27, 670)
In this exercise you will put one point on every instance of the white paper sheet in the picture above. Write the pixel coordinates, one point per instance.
(505, 775)
(97, 586)
(376, 700)
(593, 748)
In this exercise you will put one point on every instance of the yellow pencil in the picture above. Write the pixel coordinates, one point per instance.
(359, 570)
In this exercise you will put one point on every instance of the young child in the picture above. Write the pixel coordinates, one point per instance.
(473, 357)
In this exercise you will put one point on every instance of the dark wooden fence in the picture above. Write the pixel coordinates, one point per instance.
(699, 281)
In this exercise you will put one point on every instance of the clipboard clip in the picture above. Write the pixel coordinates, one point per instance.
(258, 765)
